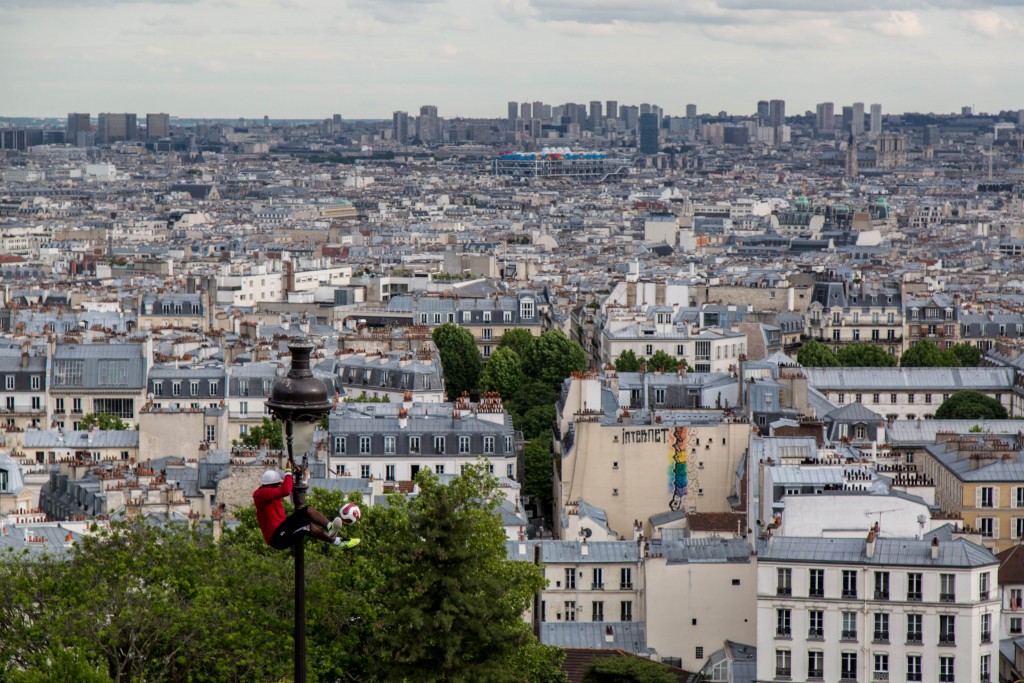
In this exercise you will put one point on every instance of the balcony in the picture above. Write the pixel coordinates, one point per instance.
(915, 639)
(881, 637)
(850, 593)
(783, 673)
(848, 635)
(880, 676)
(815, 674)
(816, 634)
(983, 595)
(783, 632)
(881, 595)
(816, 593)
(947, 597)
(784, 590)
(914, 596)
(913, 676)
(986, 636)
(625, 586)
(947, 639)
(946, 678)
(597, 586)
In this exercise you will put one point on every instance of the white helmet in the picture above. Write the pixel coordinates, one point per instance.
(271, 477)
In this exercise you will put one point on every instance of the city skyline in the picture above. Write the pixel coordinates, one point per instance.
(312, 58)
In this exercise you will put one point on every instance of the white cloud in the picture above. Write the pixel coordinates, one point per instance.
(449, 50)
(989, 23)
(902, 24)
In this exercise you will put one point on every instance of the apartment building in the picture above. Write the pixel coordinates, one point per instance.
(389, 376)
(172, 310)
(935, 319)
(22, 390)
(884, 609)
(98, 378)
(845, 313)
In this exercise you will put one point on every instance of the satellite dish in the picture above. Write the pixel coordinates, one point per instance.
(586, 533)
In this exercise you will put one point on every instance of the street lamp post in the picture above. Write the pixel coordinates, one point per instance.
(299, 397)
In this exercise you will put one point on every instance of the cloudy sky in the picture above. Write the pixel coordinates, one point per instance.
(366, 58)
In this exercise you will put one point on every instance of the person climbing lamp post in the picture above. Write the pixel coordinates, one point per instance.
(299, 397)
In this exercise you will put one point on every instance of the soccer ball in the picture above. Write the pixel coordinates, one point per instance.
(349, 513)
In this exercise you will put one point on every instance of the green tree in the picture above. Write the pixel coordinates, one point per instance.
(814, 354)
(553, 357)
(532, 394)
(460, 359)
(503, 372)
(103, 421)
(627, 669)
(662, 362)
(450, 604)
(971, 405)
(536, 420)
(966, 355)
(865, 356)
(537, 480)
(270, 431)
(627, 362)
(924, 354)
(518, 339)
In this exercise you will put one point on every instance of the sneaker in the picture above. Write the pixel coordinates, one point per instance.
(334, 528)
(346, 543)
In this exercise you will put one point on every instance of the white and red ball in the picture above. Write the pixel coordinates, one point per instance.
(349, 513)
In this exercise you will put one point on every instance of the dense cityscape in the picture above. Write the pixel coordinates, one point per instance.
(744, 389)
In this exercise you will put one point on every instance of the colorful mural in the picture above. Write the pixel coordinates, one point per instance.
(677, 470)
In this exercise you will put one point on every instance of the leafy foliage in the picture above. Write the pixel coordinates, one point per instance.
(627, 362)
(924, 354)
(814, 354)
(538, 459)
(460, 359)
(552, 357)
(864, 356)
(662, 362)
(627, 669)
(503, 372)
(103, 421)
(518, 340)
(532, 407)
(270, 431)
(967, 356)
(971, 405)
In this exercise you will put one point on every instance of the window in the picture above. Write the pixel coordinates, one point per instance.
(680, 350)
(597, 579)
(986, 628)
(414, 444)
(339, 444)
(508, 444)
(915, 633)
(1019, 497)
(881, 634)
(112, 373)
(947, 588)
(983, 585)
(849, 583)
(214, 387)
(881, 666)
(698, 652)
(364, 471)
(365, 445)
(815, 664)
(598, 611)
(947, 629)
(67, 373)
(914, 587)
(910, 398)
(876, 398)
(438, 469)
(783, 661)
(1016, 626)
(946, 668)
(570, 610)
(37, 402)
(892, 398)
(9, 403)
(506, 316)
(439, 444)
(987, 525)
(176, 389)
(36, 382)
(463, 445)
(487, 316)
(784, 585)
(815, 624)
(648, 349)
(625, 578)
(626, 610)
(985, 668)
(489, 445)
(913, 667)
(570, 579)
(118, 407)
(389, 445)
(783, 626)
(485, 333)
(59, 405)
(842, 399)
(659, 396)
(510, 471)
(985, 497)
(881, 585)
(848, 666)
(849, 626)
(817, 583)
(193, 388)
(211, 433)
(389, 472)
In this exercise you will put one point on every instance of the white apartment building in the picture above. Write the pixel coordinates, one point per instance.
(258, 283)
(885, 609)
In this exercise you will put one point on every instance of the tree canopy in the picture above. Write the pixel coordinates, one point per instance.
(460, 359)
(864, 356)
(970, 405)
(924, 354)
(967, 356)
(269, 430)
(103, 421)
(503, 372)
(627, 669)
(517, 339)
(552, 357)
(428, 596)
(627, 362)
(814, 354)
(662, 362)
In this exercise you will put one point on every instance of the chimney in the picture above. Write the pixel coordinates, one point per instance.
(869, 547)
(609, 634)
(403, 418)
(24, 359)
(935, 548)
(584, 550)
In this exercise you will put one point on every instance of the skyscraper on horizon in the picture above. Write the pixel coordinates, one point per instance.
(77, 123)
(857, 122)
(158, 125)
(691, 111)
(611, 109)
(113, 128)
(876, 119)
(777, 113)
(513, 110)
(649, 132)
(763, 112)
(825, 120)
(400, 127)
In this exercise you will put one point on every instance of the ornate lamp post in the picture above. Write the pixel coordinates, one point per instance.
(299, 397)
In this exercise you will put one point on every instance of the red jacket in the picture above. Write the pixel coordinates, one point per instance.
(269, 508)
